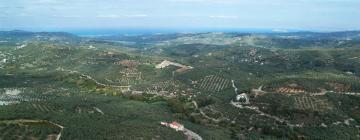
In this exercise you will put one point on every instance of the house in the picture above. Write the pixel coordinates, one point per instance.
(177, 126)
(124, 88)
(107, 53)
(243, 98)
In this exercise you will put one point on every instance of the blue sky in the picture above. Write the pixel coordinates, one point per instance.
(320, 15)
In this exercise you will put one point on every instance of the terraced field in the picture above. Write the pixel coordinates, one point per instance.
(43, 107)
(311, 103)
(213, 83)
(20, 131)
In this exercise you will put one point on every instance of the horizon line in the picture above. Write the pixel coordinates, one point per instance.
(114, 31)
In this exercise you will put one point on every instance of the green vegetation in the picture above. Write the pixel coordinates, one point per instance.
(299, 85)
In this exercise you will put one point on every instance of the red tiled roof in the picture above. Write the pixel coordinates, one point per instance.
(176, 124)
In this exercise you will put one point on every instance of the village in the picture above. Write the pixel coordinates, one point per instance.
(5, 57)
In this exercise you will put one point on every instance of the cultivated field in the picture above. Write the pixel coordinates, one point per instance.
(27, 131)
(311, 103)
(213, 83)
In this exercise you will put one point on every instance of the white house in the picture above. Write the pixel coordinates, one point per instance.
(243, 97)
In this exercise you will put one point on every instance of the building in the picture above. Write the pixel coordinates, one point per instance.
(243, 98)
(124, 88)
(174, 125)
(177, 126)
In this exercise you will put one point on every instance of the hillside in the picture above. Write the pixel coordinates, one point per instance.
(298, 85)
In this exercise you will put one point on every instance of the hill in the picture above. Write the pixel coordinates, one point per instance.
(218, 85)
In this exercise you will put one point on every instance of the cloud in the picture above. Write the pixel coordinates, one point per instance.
(209, 1)
(272, 14)
(224, 17)
(136, 15)
(122, 16)
(280, 30)
(67, 16)
(185, 0)
(108, 16)
(12, 7)
(202, 0)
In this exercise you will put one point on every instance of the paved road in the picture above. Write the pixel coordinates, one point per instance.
(192, 135)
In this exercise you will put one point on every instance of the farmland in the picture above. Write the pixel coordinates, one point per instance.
(28, 129)
(311, 103)
(104, 88)
(213, 83)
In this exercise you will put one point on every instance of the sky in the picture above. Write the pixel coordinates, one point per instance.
(278, 15)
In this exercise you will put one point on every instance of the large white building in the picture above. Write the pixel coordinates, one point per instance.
(243, 98)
